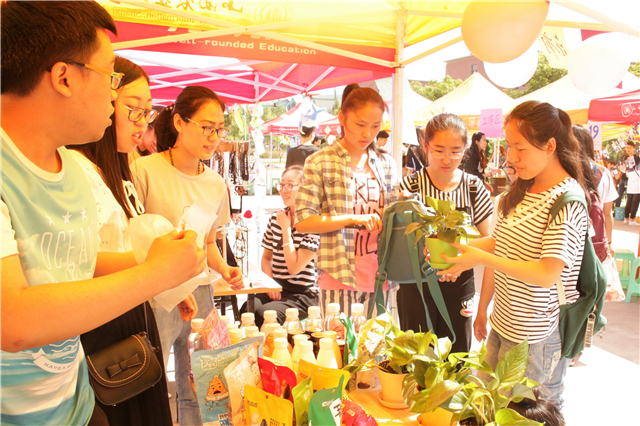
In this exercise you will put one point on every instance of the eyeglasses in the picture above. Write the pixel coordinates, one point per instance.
(453, 155)
(285, 187)
(136, 114)
(210, 130)
(116, 77)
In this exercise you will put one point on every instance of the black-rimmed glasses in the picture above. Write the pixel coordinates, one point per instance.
(210, 130)
(136, 114)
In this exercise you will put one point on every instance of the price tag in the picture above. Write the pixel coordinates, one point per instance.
(596, 134)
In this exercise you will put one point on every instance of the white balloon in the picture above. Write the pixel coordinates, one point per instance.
(514, 73)
(600, 63)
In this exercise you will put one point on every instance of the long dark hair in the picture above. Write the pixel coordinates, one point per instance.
(538, 122)
(187, 104)
(586, 153)
(114, 165)
(477, 136)
(358, 97)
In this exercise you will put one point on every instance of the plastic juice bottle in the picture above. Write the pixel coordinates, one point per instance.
(250, 331)
(326, 356)
(281, 332)
(280, 352)
(270, 317)
(225, 319)
(306, 352)
(357, 316)
(235, 335)
(295, 355)
(268, 341)
(314, 321)
(247, 319)
(195, 342)
(336, 347)
(332, 320)
(292, 324)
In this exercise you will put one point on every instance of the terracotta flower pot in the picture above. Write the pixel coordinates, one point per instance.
(436, 248)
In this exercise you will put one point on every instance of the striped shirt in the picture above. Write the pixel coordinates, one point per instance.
(327, 191)
(272, 240)
(525, 310)
(478, 209)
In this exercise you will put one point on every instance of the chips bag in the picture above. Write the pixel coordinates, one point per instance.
(277, 380)
(354, 415)
(323, 377)
(264, 409)
(215, 331)
(325, 407)
(212, 389)
(243, 371)
(302, 394)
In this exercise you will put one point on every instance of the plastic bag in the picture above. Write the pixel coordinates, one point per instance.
(302, 394)
(262, 408)
(277, 380)
(243, 371)
(325, 407)
(215, 331)
(323, 377)
(614, 287)
(143, 230)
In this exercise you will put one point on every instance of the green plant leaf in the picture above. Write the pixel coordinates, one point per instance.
(444, 207)
(509, 417)
(400, 356)
(425, 342)
(440, 393)
(433, 203)
(513, 365)
(447, 235)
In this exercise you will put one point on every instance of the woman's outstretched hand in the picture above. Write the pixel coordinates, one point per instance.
(469, 259)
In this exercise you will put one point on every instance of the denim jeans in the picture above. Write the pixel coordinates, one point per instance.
(545, 365)
(175, 332)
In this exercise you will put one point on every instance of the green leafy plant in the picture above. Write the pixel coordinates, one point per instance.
(447, 224)
(448, 381)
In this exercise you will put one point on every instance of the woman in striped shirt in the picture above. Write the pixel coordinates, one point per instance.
(444, 143)
(528, 253)
(288, 256)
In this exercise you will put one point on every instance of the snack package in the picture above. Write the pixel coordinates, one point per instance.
(243, 371)
(302, 394)
(264, 409)
(323, 377)
(354, 415)
(212, 390)
(277, 380)
(216, 333)
(325, 407)
(370, 346)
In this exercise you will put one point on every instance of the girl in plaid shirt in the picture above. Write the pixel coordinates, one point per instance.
(347, 185)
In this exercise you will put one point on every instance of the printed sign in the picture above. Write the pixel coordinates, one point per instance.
(554, 46)
(596, 134)
(491, 122)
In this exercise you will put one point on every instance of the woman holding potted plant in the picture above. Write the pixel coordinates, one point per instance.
(528, 254)
(444, 143)
(346, 186)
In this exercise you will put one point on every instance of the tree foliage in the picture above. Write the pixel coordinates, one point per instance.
(435, 89)
(545, 74)
(635, 69)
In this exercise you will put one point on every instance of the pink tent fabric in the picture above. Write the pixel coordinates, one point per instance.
(287, 123)
(294, 72)
(623, 108)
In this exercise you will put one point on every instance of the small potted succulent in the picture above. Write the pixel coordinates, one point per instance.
(441, 229)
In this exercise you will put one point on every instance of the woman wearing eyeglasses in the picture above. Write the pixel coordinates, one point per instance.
(288, 257)
(444, 143)
(187, 132)
(107, 168)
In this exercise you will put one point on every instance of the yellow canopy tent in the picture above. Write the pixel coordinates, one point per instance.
(369, 33)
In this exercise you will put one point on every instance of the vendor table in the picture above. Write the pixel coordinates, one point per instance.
(383, 415)
(256, 282)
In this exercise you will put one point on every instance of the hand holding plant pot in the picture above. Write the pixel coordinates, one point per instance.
(442, 231)
(469, 258)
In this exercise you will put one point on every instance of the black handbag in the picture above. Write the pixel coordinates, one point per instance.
(124, 369)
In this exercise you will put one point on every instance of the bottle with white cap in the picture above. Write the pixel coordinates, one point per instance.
(332, 320)
(268, 341)
(281, 332)
(313, 324)
(280, 352)
(235, 335)
(270, 317)
(292, 324)
(306, 352)
(336, 347)
(225, 319)
(295, 354)
(357, 316)
(247, 319)
(195, 341)
(326, 356)
(250, 331)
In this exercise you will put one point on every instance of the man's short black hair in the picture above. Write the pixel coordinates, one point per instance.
(37, 34)
(382, 134)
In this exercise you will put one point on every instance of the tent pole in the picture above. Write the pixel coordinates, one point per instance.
(398, 82)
